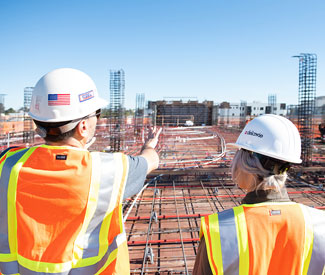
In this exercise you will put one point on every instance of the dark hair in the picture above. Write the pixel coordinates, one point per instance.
(53, 132)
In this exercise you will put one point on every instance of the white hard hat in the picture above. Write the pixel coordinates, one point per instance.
(273, 136)
(64, 94)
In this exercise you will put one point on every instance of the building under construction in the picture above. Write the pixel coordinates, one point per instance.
(177, 113)
(193, 179)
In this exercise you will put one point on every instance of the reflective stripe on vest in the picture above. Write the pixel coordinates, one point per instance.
(316, 223)
(12, 160)
(226, 239)
(92, 251)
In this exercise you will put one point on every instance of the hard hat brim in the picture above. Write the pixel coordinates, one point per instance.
(239, 146)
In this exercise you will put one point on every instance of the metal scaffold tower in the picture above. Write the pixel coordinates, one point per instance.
(139, 114)
(28, 135)
(306, 103)
(116, 111)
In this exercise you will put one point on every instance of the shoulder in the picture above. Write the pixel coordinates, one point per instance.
(11, 149)
(316, 214)
(133, 162)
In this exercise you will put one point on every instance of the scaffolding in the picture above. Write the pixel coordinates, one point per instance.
(139, 114)
(175, 113)
(116, 110)
(306, 103)
(28, 134)
(272, 103)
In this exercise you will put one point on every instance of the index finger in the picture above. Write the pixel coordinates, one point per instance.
(158, 133)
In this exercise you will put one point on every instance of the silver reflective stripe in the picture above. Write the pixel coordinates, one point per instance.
(14, 267)
(229, 243)
(25, 271)
(107, 175)
(4, 182)
(317, 261)
(9, 267)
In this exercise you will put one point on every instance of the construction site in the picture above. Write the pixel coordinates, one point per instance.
(194, 176)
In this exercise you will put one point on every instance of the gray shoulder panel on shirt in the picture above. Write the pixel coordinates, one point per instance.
(138, 168)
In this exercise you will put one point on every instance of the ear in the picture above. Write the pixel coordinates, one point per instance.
(82, 129)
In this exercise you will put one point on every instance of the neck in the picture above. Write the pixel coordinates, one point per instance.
(69, 142)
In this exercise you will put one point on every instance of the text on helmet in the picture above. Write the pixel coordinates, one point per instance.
(87, 95)
(252, 133)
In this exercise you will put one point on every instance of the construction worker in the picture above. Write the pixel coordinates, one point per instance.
(267, 233)
(61, 205)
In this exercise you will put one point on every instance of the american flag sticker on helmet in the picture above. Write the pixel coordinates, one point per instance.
(58, 99)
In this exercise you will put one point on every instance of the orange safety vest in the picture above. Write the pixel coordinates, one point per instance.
(266, 238)
(61, 212)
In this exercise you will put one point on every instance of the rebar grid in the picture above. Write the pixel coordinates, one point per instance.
(173, 232)
(166, 217)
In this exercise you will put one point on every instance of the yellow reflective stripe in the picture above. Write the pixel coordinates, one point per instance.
(242, 238)
(43, 266)
(215, 242)
(91, 208)
(12, 190)
(269, 203)
(125, 164)
(309, 238)
(8, 154)
(203, 229)
(201, 233)
(121, 218)
(110, 259)
(212, 242)
(8, 257)
(103, 233)
(61, 147)
(125, 172)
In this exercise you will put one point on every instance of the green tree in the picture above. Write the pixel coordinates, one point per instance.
(10, 110)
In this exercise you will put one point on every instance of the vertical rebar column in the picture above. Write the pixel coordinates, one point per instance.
(28, 135)
(139, 114)
(306, 103)
(117, 121)
(272, 102)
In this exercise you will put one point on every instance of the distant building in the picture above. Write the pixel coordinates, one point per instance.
(179, 113)
(252, 109)
(320, 105)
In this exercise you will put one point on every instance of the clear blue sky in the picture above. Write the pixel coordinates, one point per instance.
(220, 50)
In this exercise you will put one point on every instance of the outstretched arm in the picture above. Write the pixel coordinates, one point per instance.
(148, 150)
